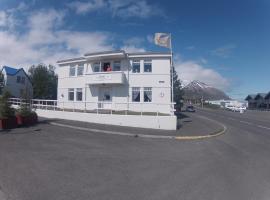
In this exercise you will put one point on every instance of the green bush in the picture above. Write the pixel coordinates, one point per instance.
(25, 109)
(6, 111)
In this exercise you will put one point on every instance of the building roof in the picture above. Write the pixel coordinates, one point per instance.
(260, 95)
(267, 96)
(250, 96)
(71, 59)
(13, 71)
(10, 70)
(116, 53)
(105, 52)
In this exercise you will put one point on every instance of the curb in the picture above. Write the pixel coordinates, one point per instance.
(210, 135)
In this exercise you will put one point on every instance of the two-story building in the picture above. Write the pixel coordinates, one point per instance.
(17, 82)
(116, 80)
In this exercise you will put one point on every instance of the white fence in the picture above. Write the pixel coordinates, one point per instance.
(128, 108)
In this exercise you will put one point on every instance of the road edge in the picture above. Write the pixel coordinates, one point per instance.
(209, 135)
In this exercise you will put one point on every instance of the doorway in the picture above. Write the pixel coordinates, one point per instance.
(105, 97)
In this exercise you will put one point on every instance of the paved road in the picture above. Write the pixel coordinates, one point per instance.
(48, 162)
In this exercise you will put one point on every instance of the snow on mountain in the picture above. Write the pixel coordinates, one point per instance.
(198, 90)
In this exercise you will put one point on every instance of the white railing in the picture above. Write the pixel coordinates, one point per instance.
(101, 107)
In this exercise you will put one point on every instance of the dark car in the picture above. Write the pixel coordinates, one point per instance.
(190, 109)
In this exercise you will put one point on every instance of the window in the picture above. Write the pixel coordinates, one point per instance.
(79, 94)
(96, 67)
(147, 94)
(18, 79)
(116, 66)
(136, 66)
(71, 94)
(107, 67)
(147, 66)
(23, 80)
(72, 71)
(80, 70)
(136, 97)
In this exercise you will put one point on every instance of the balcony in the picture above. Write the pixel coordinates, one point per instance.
(105, 78)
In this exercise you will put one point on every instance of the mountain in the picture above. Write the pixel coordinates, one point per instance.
(198, 90)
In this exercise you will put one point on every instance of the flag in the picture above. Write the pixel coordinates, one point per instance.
(163, 39)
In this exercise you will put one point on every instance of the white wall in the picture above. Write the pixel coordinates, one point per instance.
(153, 122)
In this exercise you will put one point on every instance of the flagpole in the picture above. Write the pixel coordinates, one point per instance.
(172, 95)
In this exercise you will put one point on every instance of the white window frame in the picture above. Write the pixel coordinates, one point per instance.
(82, 69)
(118, 62)
(96, 64)
(136, 62)
(135, 89)
(145, 90)
(71, 90)
(77, 92)
(72, 67)
(147, 62)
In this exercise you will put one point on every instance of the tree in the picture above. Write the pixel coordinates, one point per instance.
(44, 81)
(6, 110)
(177, 89)
(1, 82)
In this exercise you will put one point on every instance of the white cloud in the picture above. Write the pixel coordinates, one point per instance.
(132, 49)
(46, 41)
(191, 70)
(224, 51)
(85, 7)
(119, 8)
(3, 18)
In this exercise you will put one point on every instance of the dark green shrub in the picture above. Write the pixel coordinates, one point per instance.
(6, 111)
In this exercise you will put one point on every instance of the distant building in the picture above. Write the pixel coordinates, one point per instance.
(226, 103)
(258, 101)
(16, 81)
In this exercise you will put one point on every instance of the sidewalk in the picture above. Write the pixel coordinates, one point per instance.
(189, 124)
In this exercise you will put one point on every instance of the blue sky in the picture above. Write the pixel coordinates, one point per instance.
(223, 43)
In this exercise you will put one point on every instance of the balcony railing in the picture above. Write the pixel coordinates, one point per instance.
(101, 107)
(105, 78)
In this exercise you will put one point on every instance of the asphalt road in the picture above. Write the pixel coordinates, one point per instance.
(56, 163)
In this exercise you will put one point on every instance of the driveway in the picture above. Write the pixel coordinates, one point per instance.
(58, 163)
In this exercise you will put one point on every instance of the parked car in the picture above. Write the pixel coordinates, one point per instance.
(190, 109)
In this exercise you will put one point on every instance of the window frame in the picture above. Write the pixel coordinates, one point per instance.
(119, 62)
(139, 64)
(79, 90)
(136, 89)
(82, 70)
(145, 91)
(147, 62)
(23, 80)
(72, 67)
(71, 90)
(96, 64)
(18, 79)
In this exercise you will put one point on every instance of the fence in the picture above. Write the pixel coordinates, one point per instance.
(102, 107)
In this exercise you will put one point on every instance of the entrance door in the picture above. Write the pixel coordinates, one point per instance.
(105, 97)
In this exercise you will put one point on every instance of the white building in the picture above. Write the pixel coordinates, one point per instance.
(116, 80)
(16, 81)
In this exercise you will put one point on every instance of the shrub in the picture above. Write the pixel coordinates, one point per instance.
(6, 111)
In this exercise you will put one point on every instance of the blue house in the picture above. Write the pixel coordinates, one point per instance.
(16, 81)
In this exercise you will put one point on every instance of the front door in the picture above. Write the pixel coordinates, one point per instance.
(105, 97)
